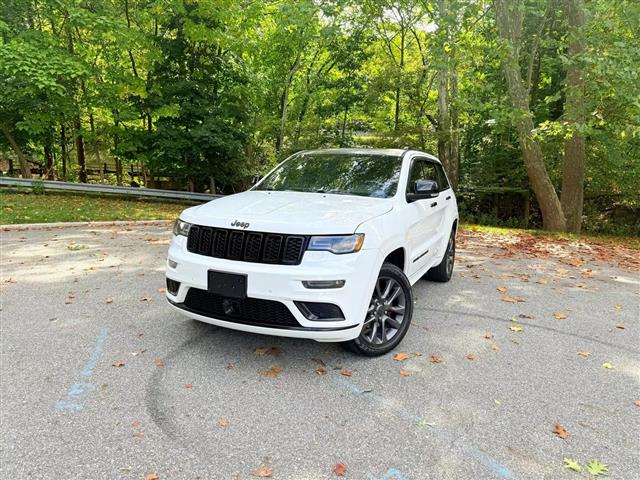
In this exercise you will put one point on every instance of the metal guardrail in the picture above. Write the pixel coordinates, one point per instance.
(97, 188)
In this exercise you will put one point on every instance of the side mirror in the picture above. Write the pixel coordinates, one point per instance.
(423, 189)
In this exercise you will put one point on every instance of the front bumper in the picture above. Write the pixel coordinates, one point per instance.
(283, 283)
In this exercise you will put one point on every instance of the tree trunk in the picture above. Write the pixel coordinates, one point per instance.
(48, 155)
(444, 119)
(284, 102)
(454, 142)
(82, 163)
(572, 195)
(396, 118)
(116, 144)
(509, 23)
(24, 163)
(64, 150)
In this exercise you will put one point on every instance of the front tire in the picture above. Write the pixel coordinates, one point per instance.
(388, 316)
(443, 271)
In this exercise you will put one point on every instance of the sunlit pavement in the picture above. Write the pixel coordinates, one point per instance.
(100, 379)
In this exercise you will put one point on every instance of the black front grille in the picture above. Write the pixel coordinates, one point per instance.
(253, 311)
(257, 247)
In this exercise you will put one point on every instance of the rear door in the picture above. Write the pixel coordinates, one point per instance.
(425, 217)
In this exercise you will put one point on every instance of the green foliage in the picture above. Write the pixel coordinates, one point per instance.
(38, 187)
(597, 468)
(572, 465)
(195, 90)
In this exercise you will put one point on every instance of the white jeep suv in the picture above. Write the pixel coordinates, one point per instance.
(325, 247)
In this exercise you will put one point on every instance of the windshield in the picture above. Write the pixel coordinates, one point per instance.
(367, 175)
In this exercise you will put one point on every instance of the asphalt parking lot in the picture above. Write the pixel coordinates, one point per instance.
(100, 379)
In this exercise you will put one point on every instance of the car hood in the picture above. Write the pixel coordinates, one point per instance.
(289, 212)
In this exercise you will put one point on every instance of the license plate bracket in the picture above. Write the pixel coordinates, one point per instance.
(227, 284)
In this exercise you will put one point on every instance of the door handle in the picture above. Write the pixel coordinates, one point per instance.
(449, 197)
(434, 204)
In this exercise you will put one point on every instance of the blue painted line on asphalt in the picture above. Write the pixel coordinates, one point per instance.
(470, 451)
(391, 474)
(78, 391)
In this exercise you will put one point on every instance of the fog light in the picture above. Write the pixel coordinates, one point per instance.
(320, 311)
(173, 286)
(323, 283)
(172, 264)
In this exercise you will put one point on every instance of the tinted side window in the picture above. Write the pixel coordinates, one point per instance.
(414, 175)
(443, 183)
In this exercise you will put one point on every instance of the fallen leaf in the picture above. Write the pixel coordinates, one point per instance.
(542, 281)
(513, 299)
(137, 434)
(158, 363)
(188, 385)
(263, 471)
(400, 356)
(340, 469)
(493, 346)
(488, 336)
(404, 373)
(146, 299)
(584, 354)
(618, 307)
(346, 373)
(471, 356)
(560, 431)
(417, 354)
(620, 327)
(273, 372)
(607, 365)
(502, 289)
(636, 403)
(516, 328)
(562, 271)
(68, 301)
(321, 371)
(108, 300)
(119, 363)
(597, 468)
(559, 316)
(571, 465)
(223, 423)
(135, 424)
(162, 290)
(268, 351)
(436, 359)
(151, 476)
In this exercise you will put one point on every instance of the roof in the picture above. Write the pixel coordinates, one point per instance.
(393, 152)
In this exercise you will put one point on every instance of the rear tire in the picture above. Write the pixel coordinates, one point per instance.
(444, 271)
(388, 316)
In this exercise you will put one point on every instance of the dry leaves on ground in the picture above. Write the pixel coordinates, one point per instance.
(560, 431)
(583, 354)
(340, 469)
(502, 289)
(273, 372)
(263, 472)
(404, 373)
(151, 476)
(188, 385)
(400, 356)
(158, 363)
(559, 316)
(108, 300)
(636, 403)
(146, 299)
(493, 346)
(268, 351)
(488, 336)
(119, 363)
(607, 365)
(223, 423)
(516, 328)
(436, 359)
(346, 373)
(162, 290)
(320, 371)
(471, 356)
(513, 299)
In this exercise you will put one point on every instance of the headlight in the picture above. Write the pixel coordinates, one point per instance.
(337, 243)
(181, 228)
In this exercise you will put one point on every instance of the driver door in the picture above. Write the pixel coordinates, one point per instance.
(425, 217)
